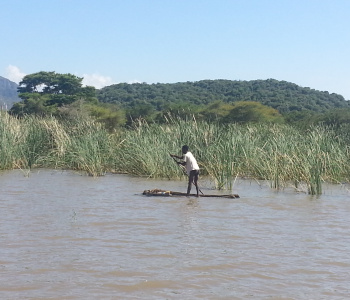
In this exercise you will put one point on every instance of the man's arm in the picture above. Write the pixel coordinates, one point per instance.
(178, 157)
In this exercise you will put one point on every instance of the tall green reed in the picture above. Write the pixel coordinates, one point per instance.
(280, 154)
(84, 146)
(36, 141)
(11, 139)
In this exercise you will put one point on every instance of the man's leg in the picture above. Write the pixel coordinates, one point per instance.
(190, 180)
(195, 181)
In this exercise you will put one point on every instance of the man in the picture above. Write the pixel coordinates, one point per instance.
(191, 167)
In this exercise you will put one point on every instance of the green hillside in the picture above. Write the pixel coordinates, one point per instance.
(281, 95)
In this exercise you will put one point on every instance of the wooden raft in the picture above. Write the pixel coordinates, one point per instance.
(158, 192)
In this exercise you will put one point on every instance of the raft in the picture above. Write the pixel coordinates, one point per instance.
(164, 193)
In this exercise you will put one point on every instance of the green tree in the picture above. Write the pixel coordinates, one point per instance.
(140, 111)
(302, 119)
(216, 111)
(43, 92)
(281, 95)
(110, 115)
(252, 112)
(336, 117)
(34, 104)
(50, 83)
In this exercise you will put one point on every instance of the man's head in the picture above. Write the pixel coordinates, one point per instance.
(184, 149)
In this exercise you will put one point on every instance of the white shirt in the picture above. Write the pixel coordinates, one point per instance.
(191, 163)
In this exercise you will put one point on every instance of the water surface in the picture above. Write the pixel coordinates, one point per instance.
(68, 236)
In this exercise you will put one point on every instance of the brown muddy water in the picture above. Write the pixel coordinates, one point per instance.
(67, 236)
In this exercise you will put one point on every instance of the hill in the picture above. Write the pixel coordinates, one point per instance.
(281, 95)
(8, 93)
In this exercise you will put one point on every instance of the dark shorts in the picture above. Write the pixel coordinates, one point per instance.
(194, 173)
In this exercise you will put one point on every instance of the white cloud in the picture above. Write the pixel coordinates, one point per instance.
(134, 81)
(14, 74)
(97, 80)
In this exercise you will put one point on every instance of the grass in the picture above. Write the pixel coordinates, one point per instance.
(280, 154)
(10, 142)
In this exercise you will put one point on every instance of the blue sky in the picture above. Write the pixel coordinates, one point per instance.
(306, 42)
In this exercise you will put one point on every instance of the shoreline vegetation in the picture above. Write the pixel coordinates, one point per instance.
(283, 155)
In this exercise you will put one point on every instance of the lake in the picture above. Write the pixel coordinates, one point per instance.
(69, 236)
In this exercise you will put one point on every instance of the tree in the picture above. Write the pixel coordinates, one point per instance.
(252, 112)
(110, 115)
(336, 117)
(36, 104)
(50, 83)
(302, 119)
(281, 95)
(218, 110)
(141, 110)
(43, 92)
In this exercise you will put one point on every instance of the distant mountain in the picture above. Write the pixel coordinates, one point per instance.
(281, 95)
(8, 93)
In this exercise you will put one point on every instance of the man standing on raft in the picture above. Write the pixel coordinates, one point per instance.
(191, 167)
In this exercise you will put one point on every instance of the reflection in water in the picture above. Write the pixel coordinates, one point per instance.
(66, 236)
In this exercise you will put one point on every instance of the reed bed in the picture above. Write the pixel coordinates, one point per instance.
(280, 154)
(84, 146)
(10, 142)
(33, 142)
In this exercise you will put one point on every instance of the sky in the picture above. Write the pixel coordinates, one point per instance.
(306, 42)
